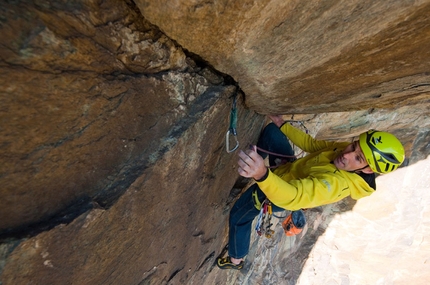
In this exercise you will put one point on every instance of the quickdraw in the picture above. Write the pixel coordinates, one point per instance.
(264, 220)
(232, 130)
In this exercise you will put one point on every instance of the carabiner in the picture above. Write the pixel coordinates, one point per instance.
(232, 128)
(227, 141)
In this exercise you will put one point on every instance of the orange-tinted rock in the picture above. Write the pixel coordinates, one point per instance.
(308, 57)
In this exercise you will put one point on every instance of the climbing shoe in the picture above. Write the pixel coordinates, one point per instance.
(225, 263)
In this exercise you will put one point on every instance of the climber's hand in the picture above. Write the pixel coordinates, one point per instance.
(251, 164)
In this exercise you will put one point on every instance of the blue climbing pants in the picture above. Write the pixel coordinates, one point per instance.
(243, 211)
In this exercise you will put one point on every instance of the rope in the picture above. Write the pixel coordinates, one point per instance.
(278, 154)
(284, 155)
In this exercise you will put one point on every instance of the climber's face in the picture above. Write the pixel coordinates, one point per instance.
(352, 159)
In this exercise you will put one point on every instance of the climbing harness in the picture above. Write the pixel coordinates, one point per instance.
(264, 220)
(257, 203)
(232, 129)
(292, 225)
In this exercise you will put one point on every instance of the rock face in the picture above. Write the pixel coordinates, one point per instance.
(114, 115)
(89, 131)
(312, 57)
(109, 133)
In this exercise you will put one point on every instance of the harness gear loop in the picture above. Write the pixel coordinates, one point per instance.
(257, 203)
(264, 220)
(232, 129)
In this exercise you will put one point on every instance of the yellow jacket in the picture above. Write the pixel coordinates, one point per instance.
(313, 180)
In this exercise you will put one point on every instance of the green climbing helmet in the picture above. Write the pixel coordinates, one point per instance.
(383, 151)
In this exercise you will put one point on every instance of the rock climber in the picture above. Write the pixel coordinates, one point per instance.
(330, 172)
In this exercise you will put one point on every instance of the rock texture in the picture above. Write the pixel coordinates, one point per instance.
(75, 132)
(113, 116)
(312, 57)
(113, 142)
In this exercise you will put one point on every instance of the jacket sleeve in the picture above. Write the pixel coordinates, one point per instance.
(309, 192)
(304, 141)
